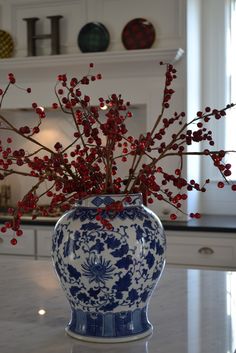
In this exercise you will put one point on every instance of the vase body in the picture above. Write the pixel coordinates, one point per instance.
(109, 275)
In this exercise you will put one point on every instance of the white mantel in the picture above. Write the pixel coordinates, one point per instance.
(130, 60)
(116, 64)
(130, 70)
(40, 72)
(123, 70)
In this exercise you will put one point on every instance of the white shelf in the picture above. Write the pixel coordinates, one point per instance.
(146, 55)
(130, 62)
(119, 69)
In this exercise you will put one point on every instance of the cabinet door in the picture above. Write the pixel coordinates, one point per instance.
(24, 246)
(201, 249)
(44, 241)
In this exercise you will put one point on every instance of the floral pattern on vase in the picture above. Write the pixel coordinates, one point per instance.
(109, 275)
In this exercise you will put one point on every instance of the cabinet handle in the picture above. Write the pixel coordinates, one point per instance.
(206, 251)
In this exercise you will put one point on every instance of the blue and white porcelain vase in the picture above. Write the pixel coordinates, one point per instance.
(109, 275)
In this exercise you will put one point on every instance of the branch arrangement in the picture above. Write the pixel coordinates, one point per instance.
(89, 165)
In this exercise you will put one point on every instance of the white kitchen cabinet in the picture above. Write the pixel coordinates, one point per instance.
(35, 242)
(184, 248)
(44, 241)
(201, 249)
(25, 245)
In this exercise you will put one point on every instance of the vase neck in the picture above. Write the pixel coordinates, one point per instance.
(101, 201)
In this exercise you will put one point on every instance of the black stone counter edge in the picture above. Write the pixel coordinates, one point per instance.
(207, 223)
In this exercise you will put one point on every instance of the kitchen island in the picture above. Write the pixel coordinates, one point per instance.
(192, 311)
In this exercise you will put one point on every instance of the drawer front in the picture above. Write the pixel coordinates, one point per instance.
(25, 245)
(201, 251)
(44, 242)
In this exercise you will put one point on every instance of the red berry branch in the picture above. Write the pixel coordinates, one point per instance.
(89, 165)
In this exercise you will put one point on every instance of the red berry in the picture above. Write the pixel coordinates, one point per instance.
(177, 171)
(129, 115)
(13, 241)
(173, 216)
(11, 78)
(227, 172)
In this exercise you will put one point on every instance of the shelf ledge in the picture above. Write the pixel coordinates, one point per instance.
(130, 62)
(169, 55)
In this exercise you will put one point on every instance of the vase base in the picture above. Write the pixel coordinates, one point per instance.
(121, 339)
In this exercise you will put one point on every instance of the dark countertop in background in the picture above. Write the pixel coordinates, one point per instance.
(207, 223)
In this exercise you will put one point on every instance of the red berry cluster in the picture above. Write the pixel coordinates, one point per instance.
(90, 163)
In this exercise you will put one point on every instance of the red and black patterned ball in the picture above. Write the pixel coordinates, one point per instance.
(138, 34)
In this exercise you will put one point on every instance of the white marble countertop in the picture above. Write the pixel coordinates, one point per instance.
(193, 311)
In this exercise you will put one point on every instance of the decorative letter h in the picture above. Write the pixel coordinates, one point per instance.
(32, 36)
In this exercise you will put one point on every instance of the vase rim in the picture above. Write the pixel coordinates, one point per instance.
(103, 200)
